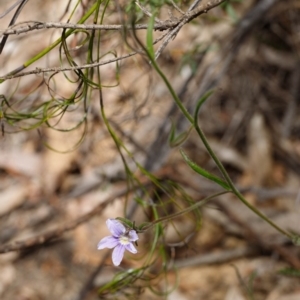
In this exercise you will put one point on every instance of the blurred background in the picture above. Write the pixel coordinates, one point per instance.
(62, 175)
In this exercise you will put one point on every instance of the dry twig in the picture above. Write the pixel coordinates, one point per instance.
(57, 232)
(63, 69)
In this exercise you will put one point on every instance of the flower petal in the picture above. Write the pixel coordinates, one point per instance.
(133, 236)
(118, 254)
(108, 242)
(130, 248)
(115, 227)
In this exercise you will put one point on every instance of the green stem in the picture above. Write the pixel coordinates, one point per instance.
(194, 122)
(173, 93)
(52, 46)
(190, 208)
(228, 179)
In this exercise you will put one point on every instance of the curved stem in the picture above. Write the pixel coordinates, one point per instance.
(49, 48)
(229, 181)
(190, 208)
(194, 122)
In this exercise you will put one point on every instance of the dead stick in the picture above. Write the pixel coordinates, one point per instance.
(55, 233)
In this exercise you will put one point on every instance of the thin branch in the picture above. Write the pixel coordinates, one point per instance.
(255, 239)
(10, 9)
(36, 25)
(12, 22)
(73, 68)
(177, 7)
(57, 232)
(190, 15)
(146, 12)
(194, 4)
(89, 284)
(170, 36)
(62, 69)
(165, 25)
(215, 258)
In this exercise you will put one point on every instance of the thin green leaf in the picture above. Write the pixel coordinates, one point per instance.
(199, 104)
(126, 222)
(289, 272)
(174, 140)
(204, 173)
(231, 12)
(295, 239)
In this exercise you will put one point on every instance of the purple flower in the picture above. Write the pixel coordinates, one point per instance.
(120, 239)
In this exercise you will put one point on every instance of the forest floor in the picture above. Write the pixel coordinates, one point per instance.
(53, 205)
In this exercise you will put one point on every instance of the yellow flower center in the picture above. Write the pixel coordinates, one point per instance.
(124, 240)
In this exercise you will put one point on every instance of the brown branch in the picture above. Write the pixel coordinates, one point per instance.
(254, 238)
(164, 25)
(12, 22)
(215, 258)
(37, 25)
(146, 12)
(62, 69)
(57, 232)
(73, 68)
(190, 15)
(174, 25)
